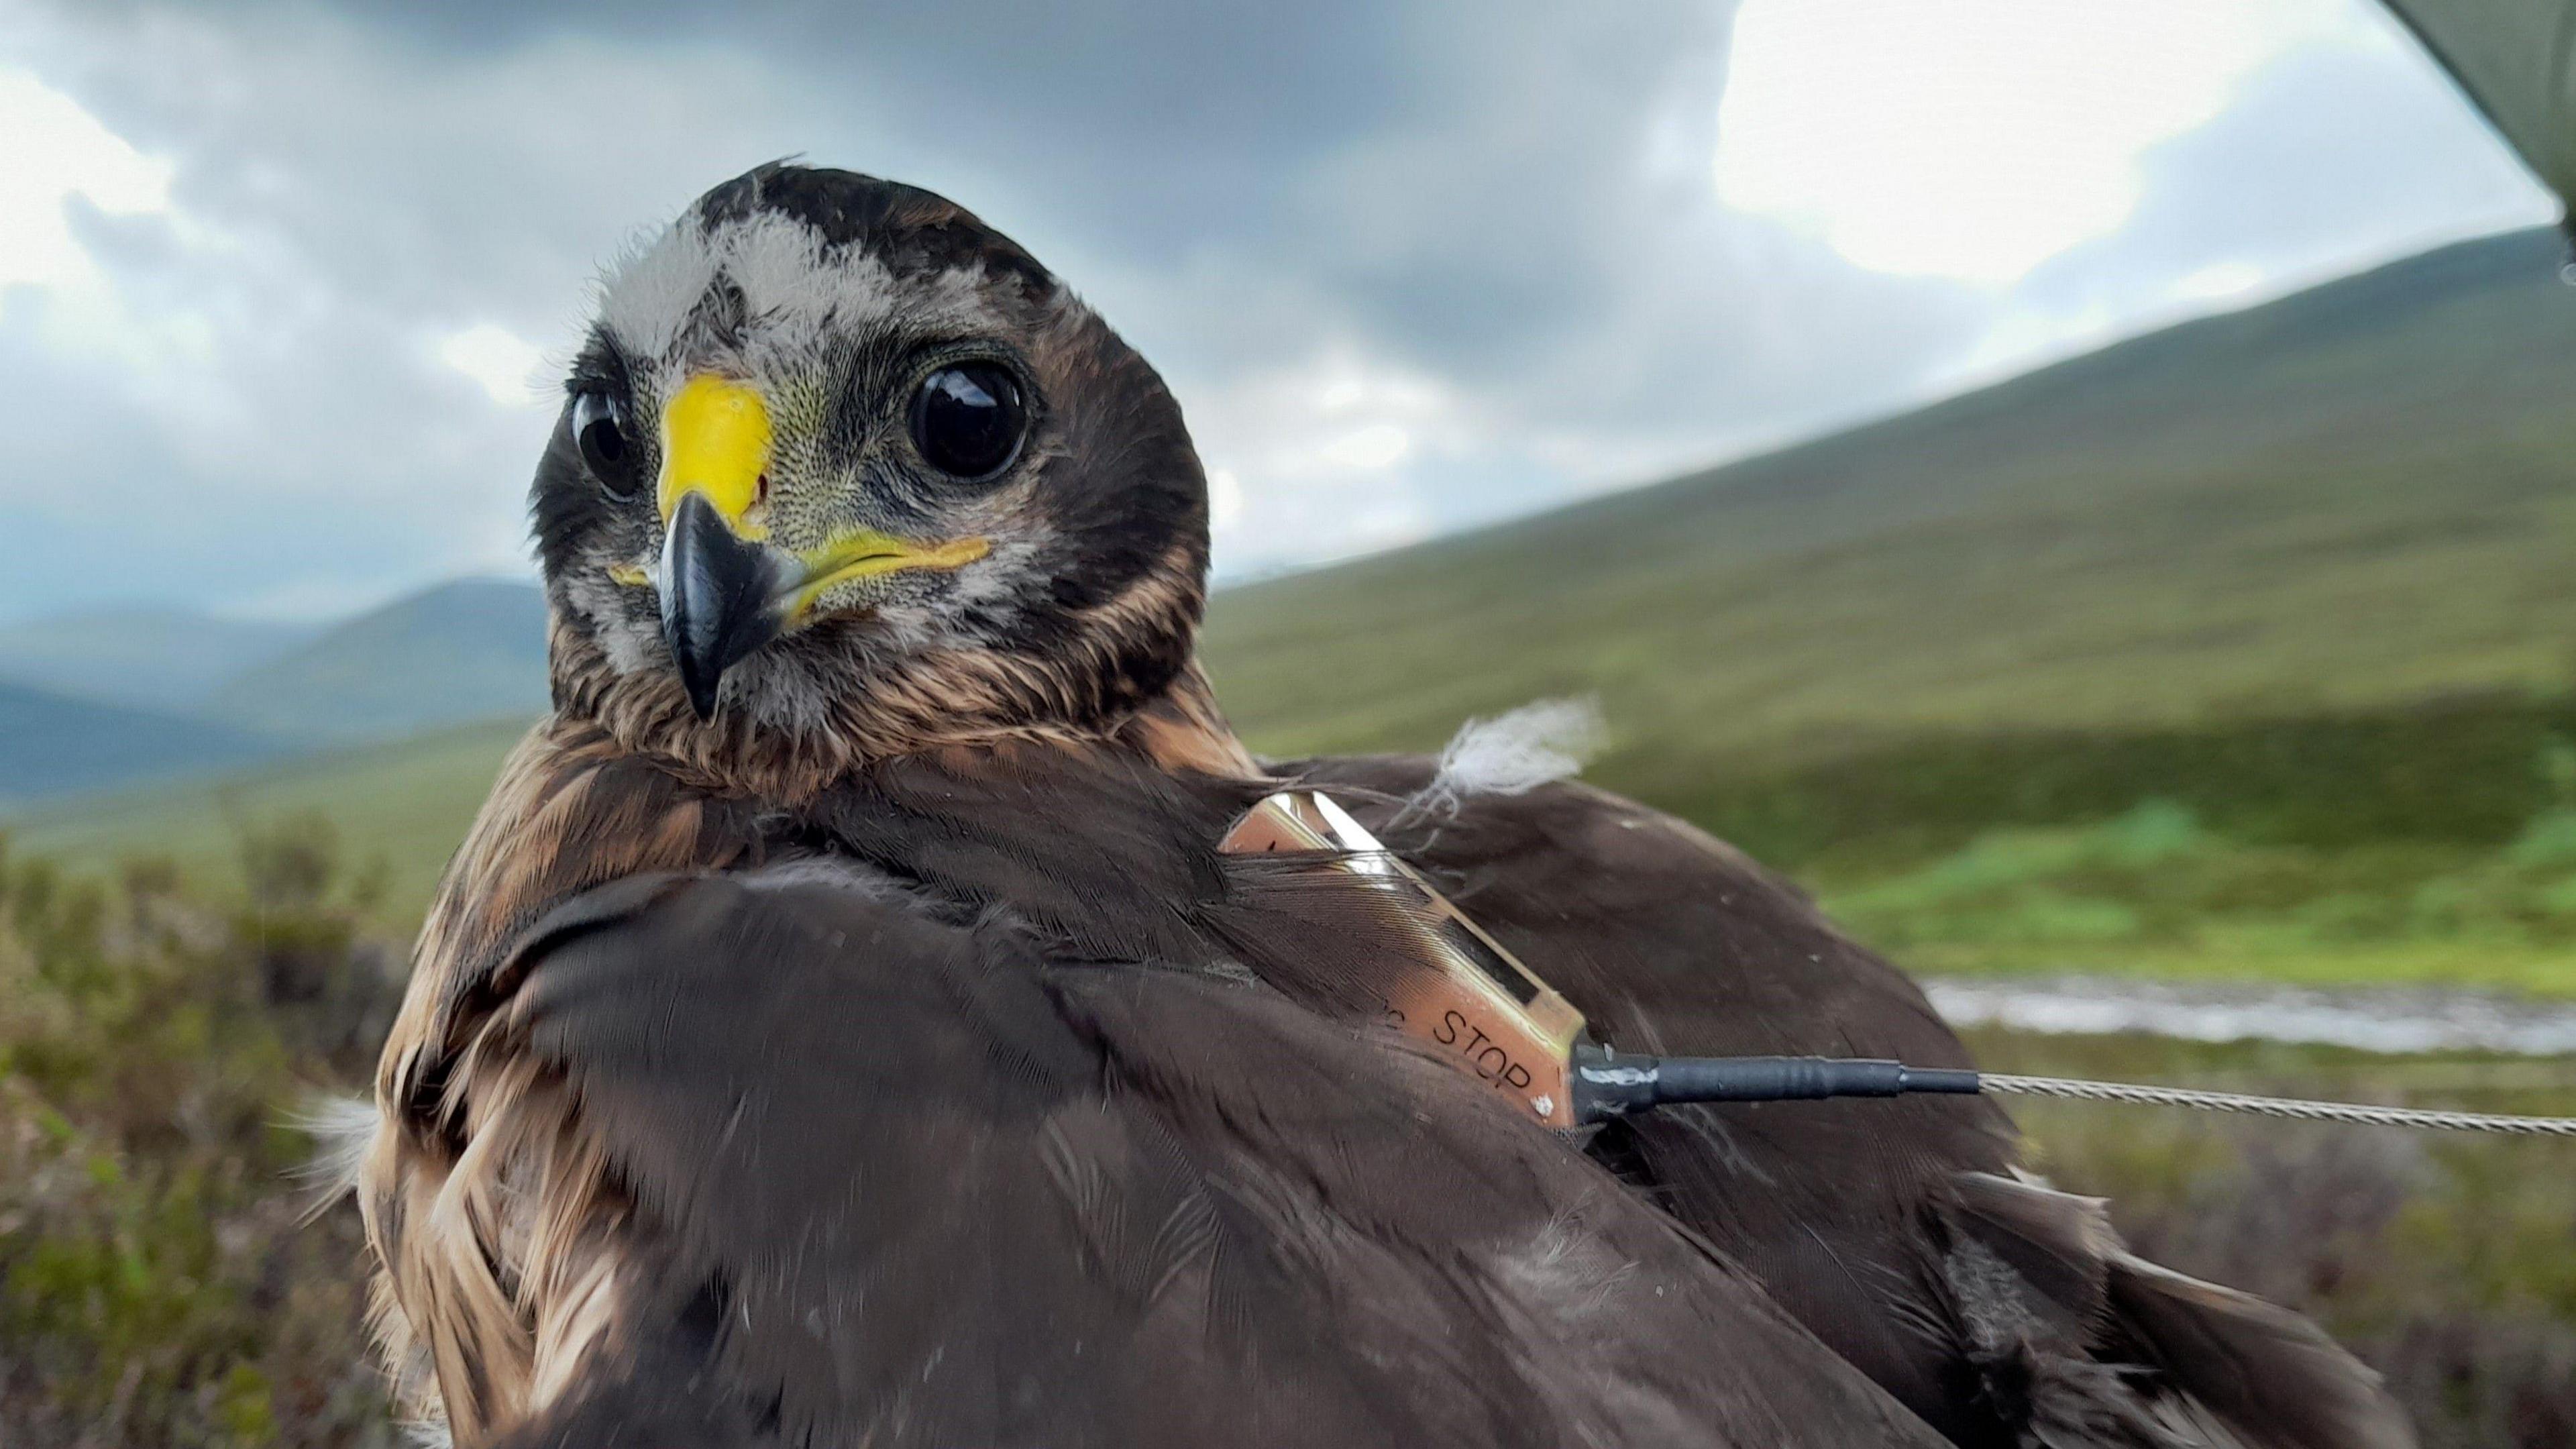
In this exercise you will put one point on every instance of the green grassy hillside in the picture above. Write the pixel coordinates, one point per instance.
(399, 809)
(2360, 494)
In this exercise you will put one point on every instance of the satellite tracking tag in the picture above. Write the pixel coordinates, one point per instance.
(1459, 989)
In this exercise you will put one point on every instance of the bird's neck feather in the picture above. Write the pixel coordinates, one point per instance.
(578, 804)
(1129, 681)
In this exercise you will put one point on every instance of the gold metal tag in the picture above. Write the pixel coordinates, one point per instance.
(1458, 989)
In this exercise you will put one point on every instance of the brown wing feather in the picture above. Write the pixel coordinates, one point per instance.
(1857, 1215)
(1850, 1213)
(868, 1175)
(444, 1181)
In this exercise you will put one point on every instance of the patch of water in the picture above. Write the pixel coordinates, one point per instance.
(2378, 1019)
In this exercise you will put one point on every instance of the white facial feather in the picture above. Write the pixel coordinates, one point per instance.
(647, 294)
(795, 294)
(999, 582)
(795, 290)
(600, 600)
(784, 693)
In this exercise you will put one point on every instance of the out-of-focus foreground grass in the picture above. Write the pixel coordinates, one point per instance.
(2447, 1262)
(156, 1287)
(157, 1284)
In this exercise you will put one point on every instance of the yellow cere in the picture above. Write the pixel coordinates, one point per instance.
(715, 441)
(866, 553)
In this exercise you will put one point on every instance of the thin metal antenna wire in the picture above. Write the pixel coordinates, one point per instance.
(2075, 1089)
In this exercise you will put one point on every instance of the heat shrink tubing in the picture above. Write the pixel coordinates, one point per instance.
(1611, 1084)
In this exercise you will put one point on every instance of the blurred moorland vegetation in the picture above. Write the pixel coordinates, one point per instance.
(158, 1285)
(2446, 1262)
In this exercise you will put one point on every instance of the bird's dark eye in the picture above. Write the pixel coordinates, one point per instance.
(968, 419)
(599, 427)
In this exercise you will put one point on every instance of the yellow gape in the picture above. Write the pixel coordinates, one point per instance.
(715, 441)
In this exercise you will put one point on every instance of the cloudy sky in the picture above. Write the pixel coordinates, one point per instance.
(282, 284)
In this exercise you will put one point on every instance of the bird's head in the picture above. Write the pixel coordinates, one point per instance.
(841, 470)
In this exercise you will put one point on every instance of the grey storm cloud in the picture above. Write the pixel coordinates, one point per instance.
(1408, 266)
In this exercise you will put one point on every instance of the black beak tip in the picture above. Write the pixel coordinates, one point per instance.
(719, 594)
(701, 687)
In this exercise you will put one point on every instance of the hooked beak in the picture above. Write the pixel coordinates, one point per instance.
(723, 596)
(726, 590)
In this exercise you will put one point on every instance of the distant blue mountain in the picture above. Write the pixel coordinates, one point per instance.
(156, 658)
(52, 744)
(470, 650)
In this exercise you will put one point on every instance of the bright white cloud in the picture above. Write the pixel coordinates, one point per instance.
(56, 151)
(2219, 280)
(1307, 460)
(1375, 446)
(1225, 499)
(1975, 139)
(502, 362)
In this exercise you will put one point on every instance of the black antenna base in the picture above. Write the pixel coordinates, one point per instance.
(1610, 1084)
